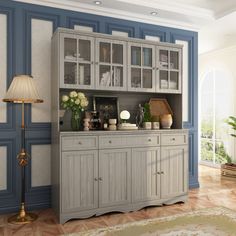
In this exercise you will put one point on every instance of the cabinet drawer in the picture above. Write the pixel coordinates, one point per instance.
(72, 143)
(120, 141)
(174, 139)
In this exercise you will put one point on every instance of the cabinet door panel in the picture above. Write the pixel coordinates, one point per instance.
(169, 73)
(110, 64)
(76, 61)
(141, 67)
(174, 171)
(145, 177)
(79, 185)
(114, 177)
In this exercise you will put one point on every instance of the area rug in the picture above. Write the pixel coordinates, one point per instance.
(207, 222)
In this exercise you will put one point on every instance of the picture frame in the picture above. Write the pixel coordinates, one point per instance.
(107, 106)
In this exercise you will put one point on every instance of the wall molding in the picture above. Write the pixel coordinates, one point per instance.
(19, 17)
(72, 21)
(157, 33)
(10, 14)
(118, 27)
(10, 196)
(192, 77)
(36, 195)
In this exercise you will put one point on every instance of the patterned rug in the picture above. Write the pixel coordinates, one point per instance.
(207, 222)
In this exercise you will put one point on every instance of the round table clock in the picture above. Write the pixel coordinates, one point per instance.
(124, 116)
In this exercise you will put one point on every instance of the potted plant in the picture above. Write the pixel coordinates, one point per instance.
(147, 124)
(75, 102)
(229, 168)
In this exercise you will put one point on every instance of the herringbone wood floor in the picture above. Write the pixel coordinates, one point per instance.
(214, 191)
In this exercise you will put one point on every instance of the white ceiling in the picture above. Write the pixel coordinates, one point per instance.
(212, 18)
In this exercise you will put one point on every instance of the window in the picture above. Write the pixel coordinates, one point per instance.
(216, 105)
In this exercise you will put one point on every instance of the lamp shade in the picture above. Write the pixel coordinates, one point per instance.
(22, 90)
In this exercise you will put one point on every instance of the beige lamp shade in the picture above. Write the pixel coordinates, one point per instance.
(22, 90)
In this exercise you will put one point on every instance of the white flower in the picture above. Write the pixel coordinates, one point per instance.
(73, 94)
(65, 98)
(84, 102)
(77, 101)
(81, 95)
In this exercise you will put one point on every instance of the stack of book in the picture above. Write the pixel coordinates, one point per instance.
(127, 126)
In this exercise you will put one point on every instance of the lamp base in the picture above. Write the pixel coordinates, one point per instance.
(22, 217)
(28, 218)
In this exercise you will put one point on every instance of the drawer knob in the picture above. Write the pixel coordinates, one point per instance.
(158, 173)
(79, 143)
(149, 140)
(96, 179)
(173, 139)
(162, 172)
(110, 141)
(100, 178)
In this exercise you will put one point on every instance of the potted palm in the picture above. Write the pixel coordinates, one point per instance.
(229, 168)
(147, 124)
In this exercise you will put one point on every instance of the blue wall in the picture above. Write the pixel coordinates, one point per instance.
(19, 17)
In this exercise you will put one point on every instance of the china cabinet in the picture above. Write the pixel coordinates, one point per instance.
(95, 172)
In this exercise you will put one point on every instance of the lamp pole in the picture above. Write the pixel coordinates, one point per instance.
(22, 90)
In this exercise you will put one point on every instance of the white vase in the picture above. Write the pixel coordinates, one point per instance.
(166, 121)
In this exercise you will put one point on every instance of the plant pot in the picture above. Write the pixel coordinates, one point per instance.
(166, 121)
(147, 125)
(155, 125)
(228, 169)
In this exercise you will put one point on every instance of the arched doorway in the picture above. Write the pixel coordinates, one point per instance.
(216, 105)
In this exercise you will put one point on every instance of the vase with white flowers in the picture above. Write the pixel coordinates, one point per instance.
(76, 103)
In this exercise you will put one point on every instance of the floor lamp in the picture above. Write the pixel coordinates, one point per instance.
(22, 90)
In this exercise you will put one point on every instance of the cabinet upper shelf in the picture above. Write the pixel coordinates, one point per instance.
(105, 62)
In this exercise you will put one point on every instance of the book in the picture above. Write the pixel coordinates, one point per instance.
(81, 74)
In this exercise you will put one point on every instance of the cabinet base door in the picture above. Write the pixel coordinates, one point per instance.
(174, 171)
(114, 177)
(145, 174)
(79, 180)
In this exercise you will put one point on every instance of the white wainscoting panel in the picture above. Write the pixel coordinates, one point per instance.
(83, 28)
(41, 67)
(3, 66)
(185, 78)
(153, 38)
(119, 33)
(3, 167)
(40, 165)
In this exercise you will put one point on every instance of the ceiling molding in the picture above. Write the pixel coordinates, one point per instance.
(174, 7)
(188, 12)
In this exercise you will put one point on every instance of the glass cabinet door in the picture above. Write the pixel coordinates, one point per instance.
(169, 69)
(141, 71)
(110, 65)
(78, 59)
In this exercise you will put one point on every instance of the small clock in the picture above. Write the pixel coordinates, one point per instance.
(124, 115)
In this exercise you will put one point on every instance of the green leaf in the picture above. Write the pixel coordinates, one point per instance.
(232, 124)
(233, 118)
